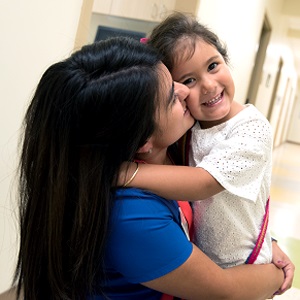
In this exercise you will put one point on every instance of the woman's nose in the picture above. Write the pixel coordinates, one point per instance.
(181, 90)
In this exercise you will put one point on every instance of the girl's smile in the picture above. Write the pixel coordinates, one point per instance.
(214, 101)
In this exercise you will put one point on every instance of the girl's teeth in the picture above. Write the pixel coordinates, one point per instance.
(213, 101)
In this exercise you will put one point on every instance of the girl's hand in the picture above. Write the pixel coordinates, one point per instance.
(282, 261)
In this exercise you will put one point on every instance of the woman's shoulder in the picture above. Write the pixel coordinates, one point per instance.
(135, 194)
(142, 201)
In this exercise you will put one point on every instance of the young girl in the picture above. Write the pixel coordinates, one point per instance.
(230, 144)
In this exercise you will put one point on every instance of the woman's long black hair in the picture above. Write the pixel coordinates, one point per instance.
(90, 113)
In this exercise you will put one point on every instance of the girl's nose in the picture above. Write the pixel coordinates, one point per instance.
(207, 86)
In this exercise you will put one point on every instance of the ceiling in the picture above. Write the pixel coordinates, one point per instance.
(291, 10)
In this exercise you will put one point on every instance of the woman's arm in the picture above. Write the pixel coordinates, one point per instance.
(200, 278)
(172, 182)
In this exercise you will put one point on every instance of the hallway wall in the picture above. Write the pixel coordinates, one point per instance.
(294, 126)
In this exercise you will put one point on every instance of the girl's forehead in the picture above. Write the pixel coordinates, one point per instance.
(185, 48)
(187, 51)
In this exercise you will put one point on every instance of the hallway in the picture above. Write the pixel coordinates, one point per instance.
(285, 208)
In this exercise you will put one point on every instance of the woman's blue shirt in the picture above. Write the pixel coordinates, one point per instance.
(145, 241)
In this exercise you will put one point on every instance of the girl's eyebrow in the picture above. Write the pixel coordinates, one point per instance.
(212, 59)
(183, 76)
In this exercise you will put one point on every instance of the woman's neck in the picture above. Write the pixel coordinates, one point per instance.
(156, 157)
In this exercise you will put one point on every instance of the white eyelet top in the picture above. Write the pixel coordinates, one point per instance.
(238, 154)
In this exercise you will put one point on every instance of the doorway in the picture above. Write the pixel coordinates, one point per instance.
(259, 61)
(275, 87)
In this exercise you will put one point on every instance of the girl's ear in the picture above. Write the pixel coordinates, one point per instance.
(147, 147)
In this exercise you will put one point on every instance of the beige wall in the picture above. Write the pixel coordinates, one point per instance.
(34, 34)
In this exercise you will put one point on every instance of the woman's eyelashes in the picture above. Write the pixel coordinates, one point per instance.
(175, 98)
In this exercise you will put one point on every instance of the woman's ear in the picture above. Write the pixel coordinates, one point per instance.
(147, 147)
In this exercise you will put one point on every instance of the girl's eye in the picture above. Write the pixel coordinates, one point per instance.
(188, 81)
(212, 66)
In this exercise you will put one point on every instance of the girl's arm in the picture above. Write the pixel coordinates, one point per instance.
(200, 278)
(172, 182)
(281, 260)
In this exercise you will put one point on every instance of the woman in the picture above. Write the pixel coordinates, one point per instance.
(81, 238)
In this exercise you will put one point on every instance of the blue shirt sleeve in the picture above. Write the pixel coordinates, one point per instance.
(145, 240)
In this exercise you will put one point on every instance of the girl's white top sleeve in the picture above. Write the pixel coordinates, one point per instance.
(238, 153)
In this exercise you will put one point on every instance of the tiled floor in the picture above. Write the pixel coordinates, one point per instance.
(285, 208)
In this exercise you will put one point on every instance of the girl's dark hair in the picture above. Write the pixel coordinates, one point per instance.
(175, 38)
(90, 113)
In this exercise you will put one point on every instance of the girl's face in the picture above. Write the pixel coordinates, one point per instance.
(174, 118)
(210, 82)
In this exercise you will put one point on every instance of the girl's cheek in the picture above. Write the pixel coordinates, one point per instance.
(192, 100)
